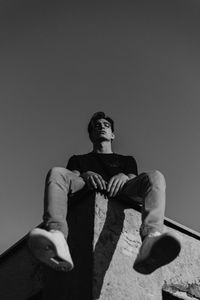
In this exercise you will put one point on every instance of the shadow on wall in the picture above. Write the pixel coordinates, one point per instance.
(167, 296)
(105, 246)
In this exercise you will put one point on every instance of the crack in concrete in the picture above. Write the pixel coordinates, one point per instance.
(187, 291)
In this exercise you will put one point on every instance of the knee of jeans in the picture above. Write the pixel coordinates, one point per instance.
(157, 178)
(59, 171)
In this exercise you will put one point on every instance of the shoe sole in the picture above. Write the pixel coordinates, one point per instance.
(45, 251)
(164, 251)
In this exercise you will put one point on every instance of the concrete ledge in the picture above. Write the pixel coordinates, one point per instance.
(120, 241)
(103, 261)
(116, 243)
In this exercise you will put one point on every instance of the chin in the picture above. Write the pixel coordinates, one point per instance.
(102, 139)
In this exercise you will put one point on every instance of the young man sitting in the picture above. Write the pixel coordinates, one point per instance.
(114, 175)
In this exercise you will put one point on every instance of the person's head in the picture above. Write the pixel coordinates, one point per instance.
(101, 127)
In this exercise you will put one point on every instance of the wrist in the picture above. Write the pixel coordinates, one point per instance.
(131, 176)
(84, 175)
(123, 174)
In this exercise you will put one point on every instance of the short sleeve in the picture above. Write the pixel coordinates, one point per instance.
(131, 166)
(73, 164)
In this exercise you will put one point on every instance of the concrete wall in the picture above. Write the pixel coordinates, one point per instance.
(116, 247)
(103, 261)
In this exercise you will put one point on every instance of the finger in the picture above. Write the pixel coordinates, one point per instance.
(118, 188)
(103, 183)
(113, 187)
(110, 184)
(92, 182)
(121, 187)
(98, 182)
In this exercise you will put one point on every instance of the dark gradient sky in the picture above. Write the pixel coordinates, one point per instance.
(63, 60)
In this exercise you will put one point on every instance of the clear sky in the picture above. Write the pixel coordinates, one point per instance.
(61, 61)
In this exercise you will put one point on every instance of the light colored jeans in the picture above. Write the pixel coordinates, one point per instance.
(147, 188)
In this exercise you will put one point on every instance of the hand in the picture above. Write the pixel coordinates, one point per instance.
(116, 183)
(94, 180)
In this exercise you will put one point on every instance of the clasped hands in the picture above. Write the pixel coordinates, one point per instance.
(96, 181)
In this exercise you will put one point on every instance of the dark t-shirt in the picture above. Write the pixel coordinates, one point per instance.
(107, 165)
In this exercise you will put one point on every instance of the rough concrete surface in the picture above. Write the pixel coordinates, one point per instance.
(104, 271)
(116, 244)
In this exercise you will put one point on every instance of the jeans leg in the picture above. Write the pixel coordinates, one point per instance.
(60, 183)
(149, 188)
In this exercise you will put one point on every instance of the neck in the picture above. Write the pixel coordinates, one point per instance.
(103, 147)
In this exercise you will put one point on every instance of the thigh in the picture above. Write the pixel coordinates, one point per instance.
(76, 182)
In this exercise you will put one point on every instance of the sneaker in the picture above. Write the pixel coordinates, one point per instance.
(50, 248)
(156, 251)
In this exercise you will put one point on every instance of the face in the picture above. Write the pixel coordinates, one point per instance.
(102, 131)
